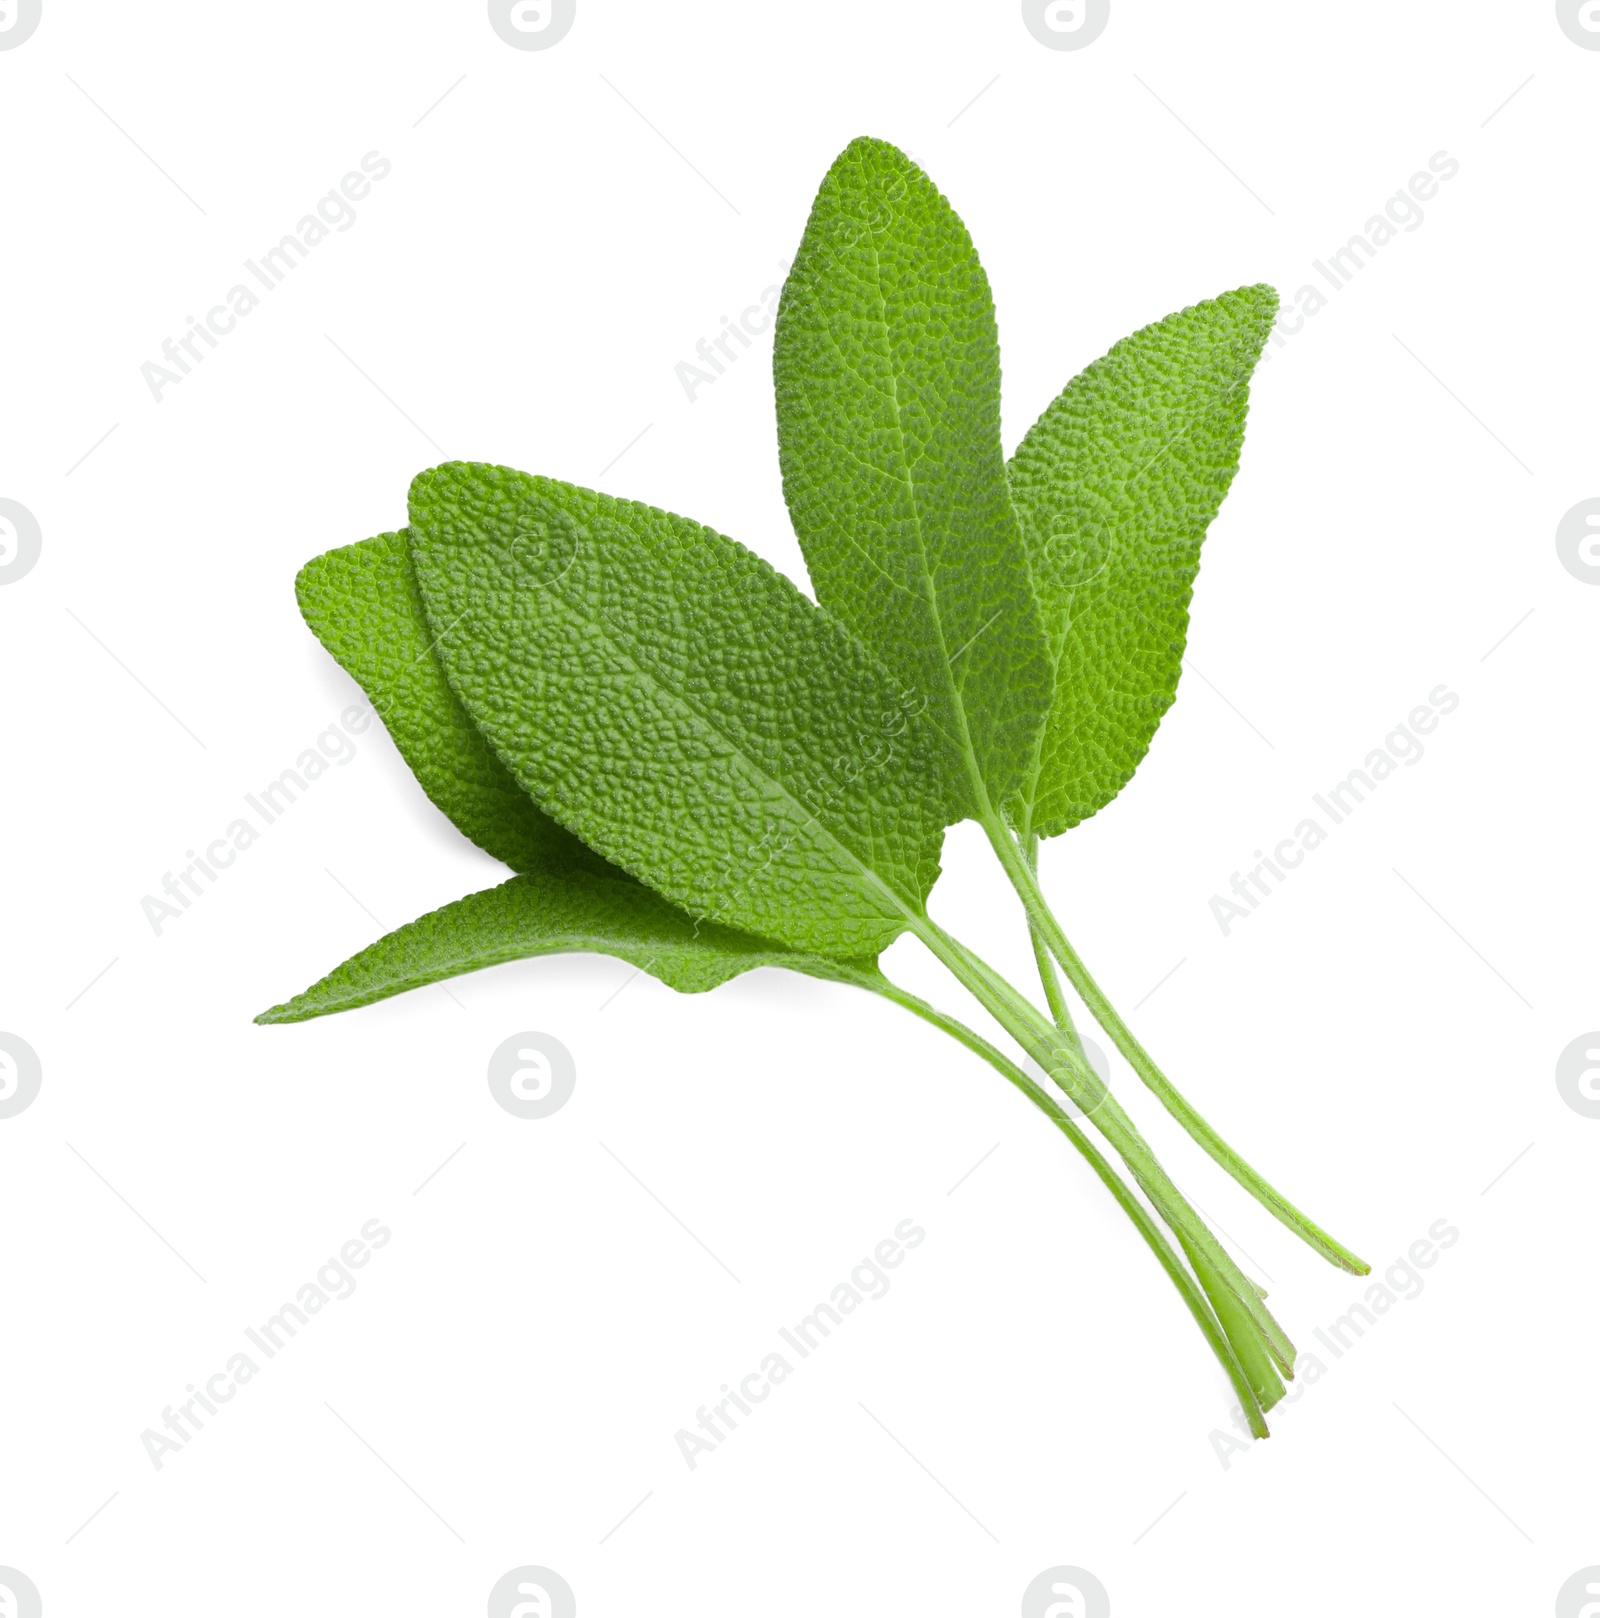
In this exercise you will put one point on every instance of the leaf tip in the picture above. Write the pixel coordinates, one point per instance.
(1257, 303)
(869, 151)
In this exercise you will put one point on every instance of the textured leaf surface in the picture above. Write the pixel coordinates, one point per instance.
(682, 707)
(888, 390)
(363, 604)
(546, 914)
(1115, 485)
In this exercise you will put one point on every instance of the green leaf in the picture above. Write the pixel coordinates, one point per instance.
(549, 914)
(362, 603)
(681, 707)
(888, 389)
(1115, 485)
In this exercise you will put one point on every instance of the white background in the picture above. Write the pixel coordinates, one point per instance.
(1380, 1037)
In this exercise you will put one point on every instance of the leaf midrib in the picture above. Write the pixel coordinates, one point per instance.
(966, 752)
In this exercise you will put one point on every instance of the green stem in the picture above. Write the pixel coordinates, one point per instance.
(1045, 925)
(1054, 1053)
(1218, 1339)
(1046, 962)
(1254, 1354)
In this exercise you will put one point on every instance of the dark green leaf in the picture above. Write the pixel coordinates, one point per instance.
(681, 707)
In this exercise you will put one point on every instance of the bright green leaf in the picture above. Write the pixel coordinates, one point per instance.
(1115, 485)
(548, 914)
(681, 707)
(362, 603)
(888, 389)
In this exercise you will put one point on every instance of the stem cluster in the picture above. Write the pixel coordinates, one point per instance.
(1227, 1306)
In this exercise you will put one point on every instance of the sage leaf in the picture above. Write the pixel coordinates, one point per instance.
(363, 604)
(1115, 486)
(549, 913)
(887, 368)
(681, 707)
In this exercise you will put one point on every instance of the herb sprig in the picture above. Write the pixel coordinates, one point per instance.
(690, 765)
